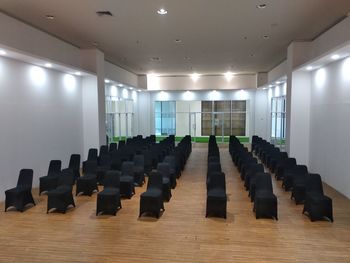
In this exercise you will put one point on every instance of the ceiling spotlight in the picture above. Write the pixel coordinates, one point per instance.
(270, 86)
(162, 11)
(48, 65)
(131, 88)
(2, 52)
(107, 81)
(50, 17)
(78, 73)
(195, 76)
(264, 88)
(120, 85)
(266, 37)
(155, 59)
(309, 68)
(178, 40)
(228, 75)
(139, 90)
(261, 6)
(335, 57)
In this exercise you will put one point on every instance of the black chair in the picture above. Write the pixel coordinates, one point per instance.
(298, 189)
(174, 169)
(105, 164)
(92, 157)
(216, 195)
(291, 173)
(121, 144)
(164, 170)
(74, 165)
(21, 195)
(250, 174)
(265, 202)
(127, 187)
(61, 197)
(87, 184)
(151, 201)
(49, 182)
(317, 205)
(139, 169)
(108, 201)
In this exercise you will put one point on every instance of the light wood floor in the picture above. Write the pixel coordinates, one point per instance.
(182, 234)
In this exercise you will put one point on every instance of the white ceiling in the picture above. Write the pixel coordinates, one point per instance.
(217, 35)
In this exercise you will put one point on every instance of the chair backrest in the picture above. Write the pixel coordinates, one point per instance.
(25, 178)
(92, 155)
(155, 180)
(164, 169)
(112, 179)
(66, 177)
(213, 158)
(54, 166)
(139, 160)
(105, 160)
(314, 183)
(217, 181)
(74, 162)
(113, 147)
(263, 182)
(103, 150)
(128, 168)
(121, 144)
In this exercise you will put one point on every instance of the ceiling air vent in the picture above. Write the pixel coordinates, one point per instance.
(104, 13)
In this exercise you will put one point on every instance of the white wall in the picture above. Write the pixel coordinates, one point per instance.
(41, 119)
(329, 126)
(262, 110)
(300, 117)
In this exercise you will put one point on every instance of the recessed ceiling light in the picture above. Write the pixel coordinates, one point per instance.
(162, 11)
(131, 88)
(120, 85)
(50, 17)
(270, 86)
(264, 88)
(78, 73)
(107, 81)
(228, 75)
(178, 40)
(266, 37)
(2, 52)
(139, 90)
(187, 58)
(309, 68)
(95, 44)
(278, 82)
(261, 6)
(251, 55)
(195, 76)
(48, 65)
(335, 57)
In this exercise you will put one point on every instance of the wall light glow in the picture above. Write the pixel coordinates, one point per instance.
(107, 81)
(195, 76)
(125, 93)
(48, 65)
(37, 75)
(114, 91)
(2, 52)
(320, 77)
(70, 82)
(346, 69)
(309, 68)
(335, 57)
(242, 95)
(188, 95)
(163, 95)
(134, 95)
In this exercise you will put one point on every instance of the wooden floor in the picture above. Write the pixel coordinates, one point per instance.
(182, 234)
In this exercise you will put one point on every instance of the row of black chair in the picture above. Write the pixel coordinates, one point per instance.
(256, 181)
(306, 187)
(216, 183)
(161, 181)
